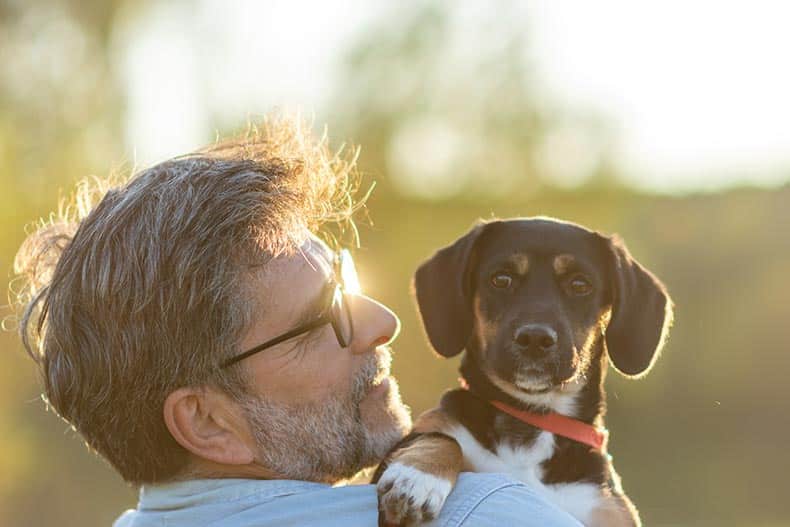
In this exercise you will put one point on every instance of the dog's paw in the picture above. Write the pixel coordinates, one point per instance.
(408, 495)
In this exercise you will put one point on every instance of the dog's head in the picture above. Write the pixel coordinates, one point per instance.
(532, 297)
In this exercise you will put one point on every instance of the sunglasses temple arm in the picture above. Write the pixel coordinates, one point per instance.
(320, 321)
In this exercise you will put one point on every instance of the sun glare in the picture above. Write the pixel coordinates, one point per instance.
(348, 273)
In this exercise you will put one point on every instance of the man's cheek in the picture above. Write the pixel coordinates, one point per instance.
(322, 381)
(295, 385)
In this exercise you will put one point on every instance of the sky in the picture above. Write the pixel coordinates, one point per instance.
(696, 92)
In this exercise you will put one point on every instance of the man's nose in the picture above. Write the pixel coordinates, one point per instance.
(536, 340)
(374, 324)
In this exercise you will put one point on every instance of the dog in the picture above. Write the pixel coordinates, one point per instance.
(537, 305)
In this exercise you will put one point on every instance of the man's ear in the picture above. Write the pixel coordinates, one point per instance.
(442, 287)
(208, 424)
(641, 312)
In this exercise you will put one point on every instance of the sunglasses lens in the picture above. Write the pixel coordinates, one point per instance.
(341, 314)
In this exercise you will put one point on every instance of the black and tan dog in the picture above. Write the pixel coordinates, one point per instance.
(537, 304)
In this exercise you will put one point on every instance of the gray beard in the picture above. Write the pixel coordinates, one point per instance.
(325, 441)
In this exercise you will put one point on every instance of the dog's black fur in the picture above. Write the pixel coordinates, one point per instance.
(581, 297)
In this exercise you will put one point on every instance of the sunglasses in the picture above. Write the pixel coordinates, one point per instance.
(336, 310)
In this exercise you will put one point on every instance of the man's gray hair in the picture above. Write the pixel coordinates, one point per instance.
(149, 289)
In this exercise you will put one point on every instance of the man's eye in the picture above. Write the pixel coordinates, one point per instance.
(501, 280)
(580, 286)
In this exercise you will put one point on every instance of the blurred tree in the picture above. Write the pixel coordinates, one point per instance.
(60, 99)
(60, 119)
(448, 107)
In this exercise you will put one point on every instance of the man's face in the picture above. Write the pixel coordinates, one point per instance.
(318, 411)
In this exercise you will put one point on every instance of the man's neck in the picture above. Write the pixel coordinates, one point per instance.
(205, 469)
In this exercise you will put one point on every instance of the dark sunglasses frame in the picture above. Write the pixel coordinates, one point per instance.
(336, 292)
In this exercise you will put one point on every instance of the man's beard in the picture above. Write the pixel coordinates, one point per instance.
(327, 440)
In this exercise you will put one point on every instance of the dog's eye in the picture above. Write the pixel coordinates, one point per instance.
(580, 286)
(501, 280)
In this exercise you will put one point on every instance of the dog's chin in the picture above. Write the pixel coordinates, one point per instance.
(534, 382)
(534, 387)
(535, 391)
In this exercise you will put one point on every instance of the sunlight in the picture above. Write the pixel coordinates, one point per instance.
(697, 89)
(695, 92)
(348, 273)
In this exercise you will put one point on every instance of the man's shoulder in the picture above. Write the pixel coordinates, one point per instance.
(476, 500)
(485, 499)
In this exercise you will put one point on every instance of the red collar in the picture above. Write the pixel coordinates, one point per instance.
(555, 423)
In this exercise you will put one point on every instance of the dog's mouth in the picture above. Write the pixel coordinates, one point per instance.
(538, 380)
(534, 391)
(533, 381)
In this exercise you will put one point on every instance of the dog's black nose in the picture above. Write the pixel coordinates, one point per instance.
(536, 339)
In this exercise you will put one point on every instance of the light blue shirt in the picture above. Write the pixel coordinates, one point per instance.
(484, 500)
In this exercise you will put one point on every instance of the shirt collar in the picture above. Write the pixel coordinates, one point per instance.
(197, 492)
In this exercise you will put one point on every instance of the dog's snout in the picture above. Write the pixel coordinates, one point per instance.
(536, 339)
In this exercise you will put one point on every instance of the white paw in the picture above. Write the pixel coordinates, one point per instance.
(408, 495)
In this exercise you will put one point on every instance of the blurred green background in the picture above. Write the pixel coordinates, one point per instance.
(456, 122)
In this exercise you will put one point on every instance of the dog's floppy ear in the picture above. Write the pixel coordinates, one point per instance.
(443, 294)
(641, 313)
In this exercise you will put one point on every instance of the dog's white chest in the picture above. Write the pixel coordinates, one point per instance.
(524, 464)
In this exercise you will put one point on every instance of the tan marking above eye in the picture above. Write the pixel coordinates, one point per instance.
(562, 263)
(520, 263)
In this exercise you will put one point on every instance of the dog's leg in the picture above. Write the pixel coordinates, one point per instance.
(420, 473)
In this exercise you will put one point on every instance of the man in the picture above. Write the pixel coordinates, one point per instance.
(220, 356)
